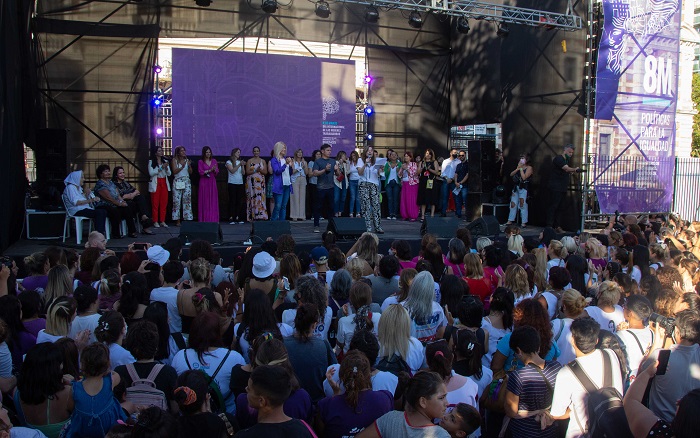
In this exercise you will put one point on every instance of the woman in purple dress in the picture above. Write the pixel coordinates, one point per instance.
(208, 195)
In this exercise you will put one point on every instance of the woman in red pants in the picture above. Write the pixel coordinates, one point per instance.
(159, 170)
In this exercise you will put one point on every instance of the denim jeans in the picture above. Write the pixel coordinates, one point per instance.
(281, 201)
(392, 196)
(354, 196)
(339, 196)
(445, 195)
(461, 199)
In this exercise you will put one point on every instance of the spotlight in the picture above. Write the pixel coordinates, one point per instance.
(503, 30)
(269, 6)
(204, 3)
(368, 79)
(323, 10)
(369, 136)
(415, 20)
(369, 110)
(157, 101)
(159, 131)
(463, 25)
(157, 69)
(371, 14)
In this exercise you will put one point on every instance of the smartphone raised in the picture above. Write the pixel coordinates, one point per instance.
(663, 362)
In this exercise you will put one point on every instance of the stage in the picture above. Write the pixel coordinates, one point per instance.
(236, 236)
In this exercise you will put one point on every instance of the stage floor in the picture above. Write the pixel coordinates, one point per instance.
(234, 237)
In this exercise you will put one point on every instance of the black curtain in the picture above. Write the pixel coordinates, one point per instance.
(17, 103)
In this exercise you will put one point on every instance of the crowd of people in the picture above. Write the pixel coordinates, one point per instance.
(514, 337)
(279, 189)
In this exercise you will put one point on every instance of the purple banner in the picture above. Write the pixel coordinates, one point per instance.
(635, 105)
(232, 99)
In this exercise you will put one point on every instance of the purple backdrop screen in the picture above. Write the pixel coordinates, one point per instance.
(232, 99)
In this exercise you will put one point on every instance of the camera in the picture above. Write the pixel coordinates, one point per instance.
(6, 261)
(668, 324)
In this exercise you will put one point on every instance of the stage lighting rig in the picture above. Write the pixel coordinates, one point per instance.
(369, 110)
(503, 30)
(371, 14)
(204, 3)
(323, 9)
(415, 20)
(463, 25)
(269, 6)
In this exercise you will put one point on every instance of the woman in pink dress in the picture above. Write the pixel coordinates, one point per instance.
(409, 188)
(208, 194)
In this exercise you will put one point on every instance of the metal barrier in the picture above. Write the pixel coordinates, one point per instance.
(686, 194)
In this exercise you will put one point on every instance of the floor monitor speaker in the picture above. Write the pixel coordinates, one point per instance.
(261, 230)
(347, 227)
(484, 226)
(444, 227)
(209, 231)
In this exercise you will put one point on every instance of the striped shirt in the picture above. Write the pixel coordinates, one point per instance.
(533, 394)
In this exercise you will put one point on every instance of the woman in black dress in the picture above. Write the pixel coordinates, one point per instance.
(428, 190)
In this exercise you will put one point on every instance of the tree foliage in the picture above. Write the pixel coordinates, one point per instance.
(695, 152)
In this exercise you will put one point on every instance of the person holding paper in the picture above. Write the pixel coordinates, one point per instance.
(428, 193)
(369, 169)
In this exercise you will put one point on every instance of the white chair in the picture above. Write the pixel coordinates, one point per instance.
(79, 225)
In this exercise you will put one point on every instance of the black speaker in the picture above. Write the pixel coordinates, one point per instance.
(347, 227)
(50, 153)
(261, 230)
(484, 226)
(45, 224)
(210, 231)
(482, 156)
(444, 227)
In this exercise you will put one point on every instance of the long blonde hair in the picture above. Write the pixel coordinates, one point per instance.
(596, 250)
(515, 244)
(394, 331)
(278, 148)
(472, 266)
(60, 283)
(60, 316)
(516, 280)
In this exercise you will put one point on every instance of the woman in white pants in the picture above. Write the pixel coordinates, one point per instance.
(521, 180)
(297, 200)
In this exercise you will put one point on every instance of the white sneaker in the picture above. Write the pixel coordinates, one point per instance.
(164, 225)
(156, 225)
(233, 223)
(241, 222)
(317, 230)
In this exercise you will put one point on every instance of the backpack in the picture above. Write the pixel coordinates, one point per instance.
(180, 341)
(394, 365)
(606, 416)
(218, 402)
(143, 392)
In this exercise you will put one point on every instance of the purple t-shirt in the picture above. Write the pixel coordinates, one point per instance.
(25, 341)
(298, 406)
(35, 326)
(36, 282)
(341, 420)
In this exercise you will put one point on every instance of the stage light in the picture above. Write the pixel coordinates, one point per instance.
(369, 136)
(415, 20)
(371, 14)
(159, 131)
(463, 25)
(368, 79)
(204, 3)
(157, 69)
(157, 101)
(269, 6)
(503, 30)
(369, 111)
(323, 9)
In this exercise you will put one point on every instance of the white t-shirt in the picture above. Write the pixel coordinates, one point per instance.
(168, 295)
(561, 332)
(524, 297)
(346, 329)
(426, 330)
(42, 336)
(552, 263)
(636, 274)
(322, 327)
(391, 299)
(213, 359)
(495, 335)
(119, 355)
(352, 170)
(551, 303)
(634, 353)
(87, 322)
(416, 355)
(370, 175)
(569, 393)
(467, 393)
(607, 321)
(486, 378)
(381, 380)
(285, 330)
(237, 176)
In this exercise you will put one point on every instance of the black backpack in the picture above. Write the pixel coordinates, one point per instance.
(606, 416)
(394, 364)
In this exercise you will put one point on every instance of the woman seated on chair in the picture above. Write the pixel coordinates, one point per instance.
(134, 199)
(78, 204)
(111, 200)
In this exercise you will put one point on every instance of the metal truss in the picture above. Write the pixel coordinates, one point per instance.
(483, 11)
